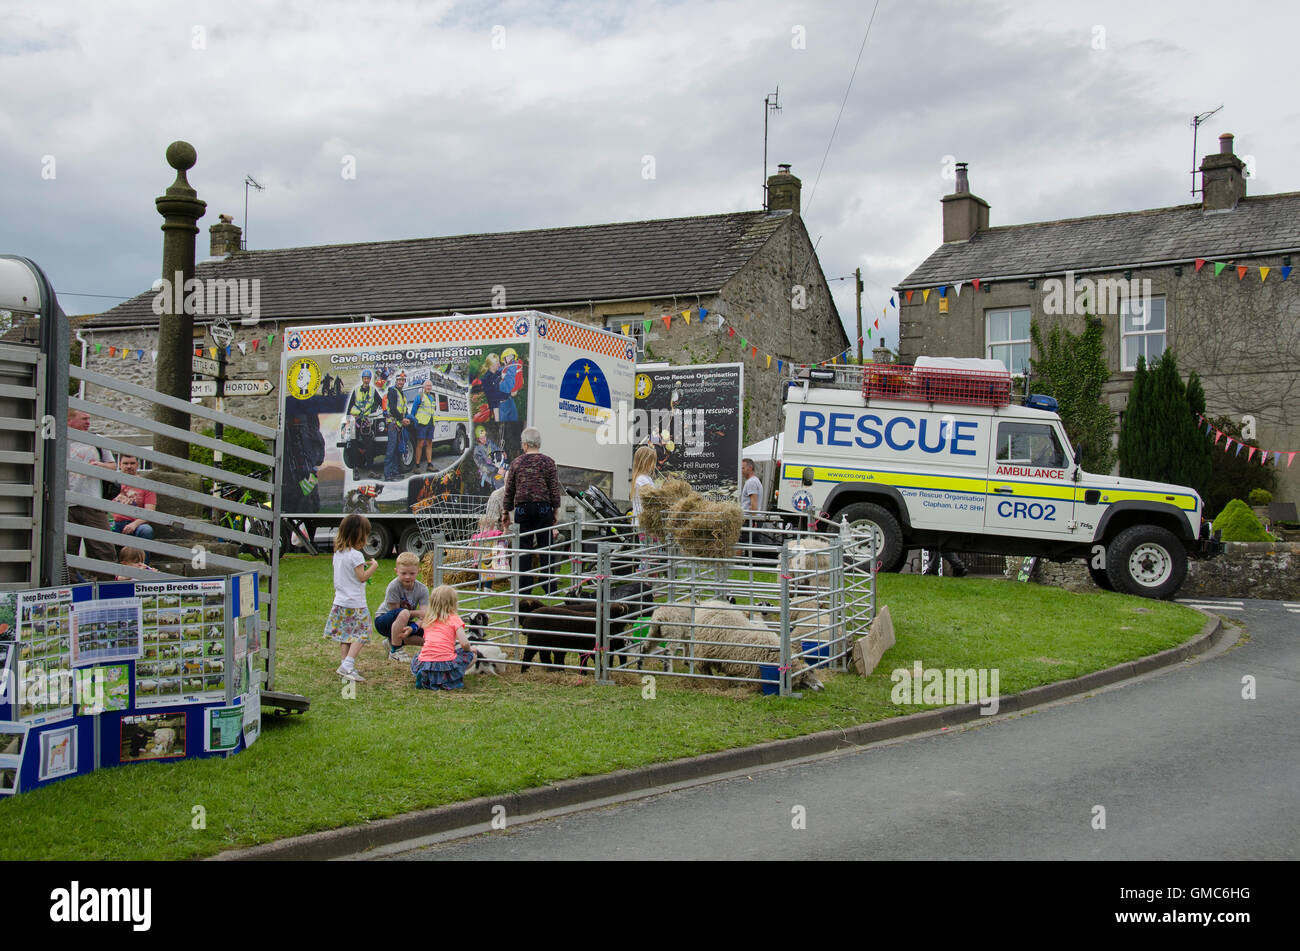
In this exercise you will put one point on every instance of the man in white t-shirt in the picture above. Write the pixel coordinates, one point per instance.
(79, 421)
(751, 493)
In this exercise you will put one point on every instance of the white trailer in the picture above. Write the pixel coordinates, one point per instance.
(489, 376)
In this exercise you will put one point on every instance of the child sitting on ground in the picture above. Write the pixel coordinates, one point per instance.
(405, 602)
(446, 654)
(132, 558)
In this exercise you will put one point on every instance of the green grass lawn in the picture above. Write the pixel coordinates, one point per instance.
(394, 749)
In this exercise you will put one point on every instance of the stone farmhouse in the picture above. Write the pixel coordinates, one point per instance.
(757, 270)
(1208, 280)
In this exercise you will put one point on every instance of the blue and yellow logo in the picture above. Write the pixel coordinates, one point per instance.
(584, 391)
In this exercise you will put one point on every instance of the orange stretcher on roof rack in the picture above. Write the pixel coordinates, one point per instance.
(934, 380)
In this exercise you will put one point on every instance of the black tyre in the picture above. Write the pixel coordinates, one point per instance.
(867, 517)
(380, 542)
(1146, 560)
(351, 457)
(462, 440)
(411, 540)
(406, 452)
(1100, 578)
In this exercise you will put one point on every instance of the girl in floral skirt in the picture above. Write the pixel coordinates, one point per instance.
(349, 620)
(446, 654)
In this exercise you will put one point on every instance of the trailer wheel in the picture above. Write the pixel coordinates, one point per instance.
(411, 540)
(379, 544)
(1146, 560)
(866, 519)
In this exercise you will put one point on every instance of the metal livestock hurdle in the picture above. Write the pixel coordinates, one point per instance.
(815, 605)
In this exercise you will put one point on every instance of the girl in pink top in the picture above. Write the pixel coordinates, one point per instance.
(446, 654)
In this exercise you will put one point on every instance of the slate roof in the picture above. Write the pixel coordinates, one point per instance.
(636, 259)
(1256, 225)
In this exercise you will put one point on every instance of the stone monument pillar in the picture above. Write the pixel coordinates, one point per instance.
(181, 208)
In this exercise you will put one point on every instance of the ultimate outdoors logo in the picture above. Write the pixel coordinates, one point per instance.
(584, 392)
(302, 378)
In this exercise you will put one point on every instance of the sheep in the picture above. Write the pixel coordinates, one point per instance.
(164, 740)
(555, 630)
(488, 656)
(743, 644)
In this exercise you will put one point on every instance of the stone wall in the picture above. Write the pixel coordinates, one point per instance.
(1241, 337)
(1268, 570)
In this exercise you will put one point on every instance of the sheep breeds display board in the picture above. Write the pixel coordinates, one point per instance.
(124, 672)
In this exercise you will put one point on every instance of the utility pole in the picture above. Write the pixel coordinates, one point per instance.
(857, 274)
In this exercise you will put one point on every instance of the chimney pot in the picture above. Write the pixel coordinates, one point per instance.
(964, 214)
(1225, 144)
(224, 237)
(963, 183)
(783, 190)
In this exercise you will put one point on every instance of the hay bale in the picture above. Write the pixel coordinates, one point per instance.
(704, 529)
(459, 565)
(655, 503)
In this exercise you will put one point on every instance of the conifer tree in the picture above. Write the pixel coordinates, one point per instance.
(1158, 437)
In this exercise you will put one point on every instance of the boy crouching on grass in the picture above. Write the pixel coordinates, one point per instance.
(405, 602)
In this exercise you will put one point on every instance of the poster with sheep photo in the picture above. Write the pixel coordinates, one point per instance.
(13, 743)
(58, 753)
(693, 416)
(152, 736)
(106, 630)
(183, 642)
(45, 692)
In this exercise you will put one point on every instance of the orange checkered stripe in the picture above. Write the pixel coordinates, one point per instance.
(585, 338)
(412, 334)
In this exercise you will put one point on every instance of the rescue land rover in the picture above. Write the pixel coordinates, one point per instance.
(938, 456)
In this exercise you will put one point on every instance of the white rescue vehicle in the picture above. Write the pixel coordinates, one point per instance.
(937, 456)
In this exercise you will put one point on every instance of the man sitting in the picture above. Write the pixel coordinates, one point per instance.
(139, 498)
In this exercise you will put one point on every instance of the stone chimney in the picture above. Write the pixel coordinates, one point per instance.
(1223, 179)
(783, 190)
(225, 237)
(881, 353)
(963, 213)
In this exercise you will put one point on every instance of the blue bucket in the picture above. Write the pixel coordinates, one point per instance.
(816, 650)
(771, 675)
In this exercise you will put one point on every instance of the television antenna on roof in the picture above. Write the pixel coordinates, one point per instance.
(771, 103)
(1196, 124)
(249, 180)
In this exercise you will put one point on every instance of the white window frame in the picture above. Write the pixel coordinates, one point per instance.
(1146, 333)
(636, 323)
(1010, 343)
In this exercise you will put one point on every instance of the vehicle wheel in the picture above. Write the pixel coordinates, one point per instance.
(406, 453)
(1100, 578)
(462, 440)
(351, 458)
(411, 540)
(1146, 560)
(380, 542)
(867, 517)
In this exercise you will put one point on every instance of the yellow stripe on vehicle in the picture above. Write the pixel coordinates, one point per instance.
(1182, 501)
(905, 480)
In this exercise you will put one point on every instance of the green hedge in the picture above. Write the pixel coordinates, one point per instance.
(1238, 524)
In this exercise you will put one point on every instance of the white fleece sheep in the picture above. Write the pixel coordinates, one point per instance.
(742, 645)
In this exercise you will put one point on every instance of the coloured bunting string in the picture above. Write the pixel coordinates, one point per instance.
(1283, 272)
(1234, 445)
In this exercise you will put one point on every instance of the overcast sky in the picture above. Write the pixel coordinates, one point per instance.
(478, 117)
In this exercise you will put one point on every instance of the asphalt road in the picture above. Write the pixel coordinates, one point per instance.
(1184, 767)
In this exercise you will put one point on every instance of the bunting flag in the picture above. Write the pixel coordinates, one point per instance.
(98, 348)
(755, 349)
(780, 364)
(731, 331)
(975, 283)
(627, 332)
(646, 324)
(925, 295)
(1241, 271)
(892, 304)
(153, 355)
(139, 355)
(256, 341)
(769, 361)
(1234, 445)
(243, 349)
(212, 352)
(1200, 263)
(668, 321)
(957, 287)
(1263, 274)
(720, 321)
(1286, 272)
(909, 296)
(744, 344)
(703, 313)
(112, 351)
(1218, 268)
(943, 290)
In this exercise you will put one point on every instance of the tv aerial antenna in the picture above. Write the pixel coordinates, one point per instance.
(1196, 124)
(771, 103)
(249, 180)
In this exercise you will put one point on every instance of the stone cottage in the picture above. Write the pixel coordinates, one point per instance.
(755, 269)
(1208, 280)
